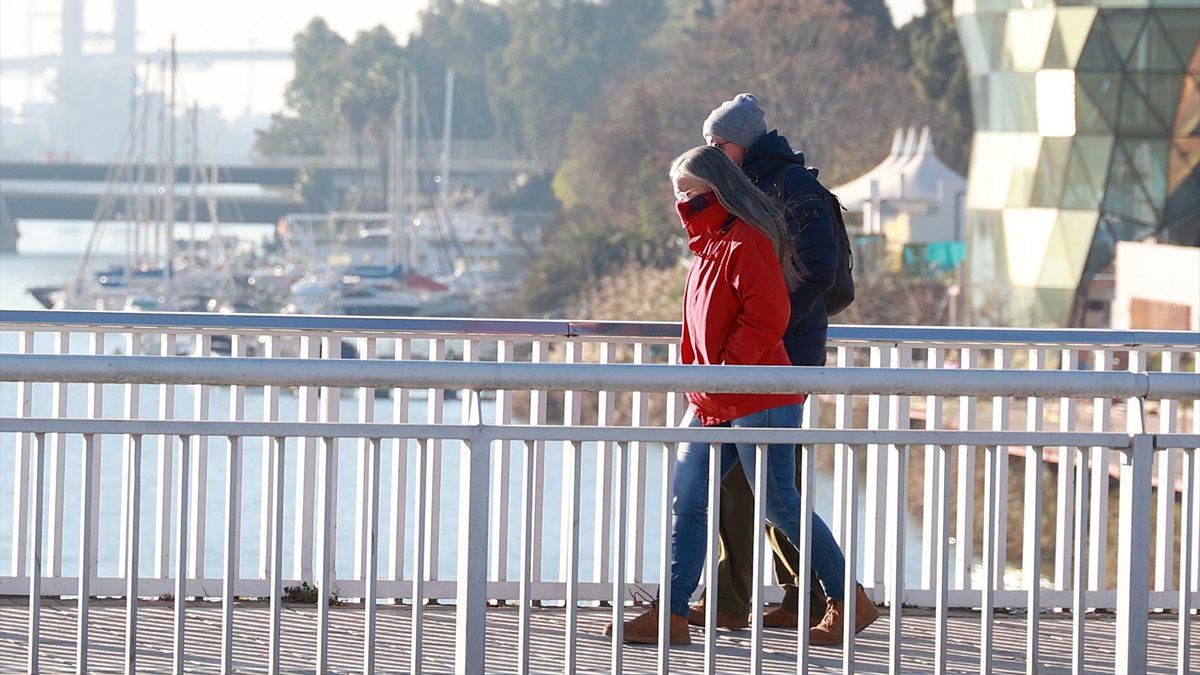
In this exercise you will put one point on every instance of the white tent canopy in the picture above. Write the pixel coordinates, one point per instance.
(911, 195)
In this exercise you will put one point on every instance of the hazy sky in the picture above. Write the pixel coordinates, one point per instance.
(32, 27)
(200, 25)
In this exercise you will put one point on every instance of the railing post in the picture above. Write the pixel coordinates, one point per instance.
(525, 575)
(37, 499)
(1035, 409)
(22, 457)
(883, 413)
(275, 573)
(1098, 489)
(88, 482)
(52, 565)
(965, 525)
(620, 524)
(1187, 528)
(163, 472)
(991, 553)
(1133, 565)
(470, 626)
(1164, 553)
(1079, 562)
(665, 519)
(179, 612)
(306, 470)
(934, 494)
(1063, 552)
(371, 554)
(569, 546)
(850, 548)
(898, 496)
(325, 567)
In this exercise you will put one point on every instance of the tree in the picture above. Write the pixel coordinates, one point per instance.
(877, 11)
(561, 54)
(319, 56)
(310, 119)
(940, 75)
(462, 35)
(376, 65)
(335, 83)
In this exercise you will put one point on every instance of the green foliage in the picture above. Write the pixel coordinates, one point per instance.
(561, 55)
(315, 187)
(290, 137)
(940, 75)
(303, 594)
(876, 10)
(318, 55)
(463, 35)
(310, 122)
(580, 251)
(532, 195)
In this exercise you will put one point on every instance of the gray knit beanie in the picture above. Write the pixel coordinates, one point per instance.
(740, 120)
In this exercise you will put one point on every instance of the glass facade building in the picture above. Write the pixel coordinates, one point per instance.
(1087, 132)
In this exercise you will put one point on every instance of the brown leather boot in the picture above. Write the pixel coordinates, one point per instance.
(829, 631)
(726, 621)
(644, 629)
(782, 617)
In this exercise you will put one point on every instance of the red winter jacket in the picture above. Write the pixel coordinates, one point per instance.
(735, 306)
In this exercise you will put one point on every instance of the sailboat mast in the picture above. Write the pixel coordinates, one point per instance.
(414, 149)
(396, 245)
(169, 204)
(447, 122)
(192, 189)
(160, 210)
(130, 202)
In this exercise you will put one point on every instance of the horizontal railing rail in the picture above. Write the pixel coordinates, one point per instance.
(254, 372)
(520, 432)
(654, 330)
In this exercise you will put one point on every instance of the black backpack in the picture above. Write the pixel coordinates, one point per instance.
(841, 294)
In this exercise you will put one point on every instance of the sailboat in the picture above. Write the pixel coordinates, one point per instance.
(385, 264)
(158, 271)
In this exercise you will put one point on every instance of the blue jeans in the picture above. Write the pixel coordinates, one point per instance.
(690, 534)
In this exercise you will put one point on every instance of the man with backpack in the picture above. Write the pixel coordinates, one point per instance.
(738, 127)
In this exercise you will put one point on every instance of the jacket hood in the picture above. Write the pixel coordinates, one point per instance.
(768, 152)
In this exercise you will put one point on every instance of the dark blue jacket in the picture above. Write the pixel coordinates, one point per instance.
(780, 172)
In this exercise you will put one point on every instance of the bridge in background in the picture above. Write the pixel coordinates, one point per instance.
(247, 193)
(560, 482)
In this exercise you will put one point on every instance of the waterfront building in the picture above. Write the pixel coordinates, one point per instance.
(911, 197)
(1087, 132)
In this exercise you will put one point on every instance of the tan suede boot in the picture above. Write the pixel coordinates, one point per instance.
(831, 628)
(726, 621)
(644, 629)
(782, 617)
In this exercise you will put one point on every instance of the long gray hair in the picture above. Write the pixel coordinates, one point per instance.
(740, 197)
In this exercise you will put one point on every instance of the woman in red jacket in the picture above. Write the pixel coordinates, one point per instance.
(735, 310)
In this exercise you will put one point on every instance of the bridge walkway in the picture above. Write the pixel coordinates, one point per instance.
(392, 647)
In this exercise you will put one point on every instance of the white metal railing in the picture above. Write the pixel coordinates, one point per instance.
(161, 388)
